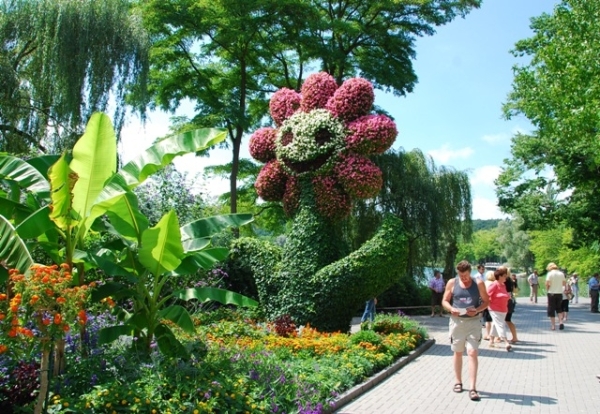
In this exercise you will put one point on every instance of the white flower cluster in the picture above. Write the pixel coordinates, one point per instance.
(306, 128)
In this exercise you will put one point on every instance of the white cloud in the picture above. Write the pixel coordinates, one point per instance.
(485, 175)
(503, 137)
(486, 209)
(445, 153)
(496, 138)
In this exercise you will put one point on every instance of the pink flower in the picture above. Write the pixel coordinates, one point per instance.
(283, 104)
(271, 181)
(316, 91)
(332, 201)
(262, 144)
(353, 99)
(371, 134)
(359, 176)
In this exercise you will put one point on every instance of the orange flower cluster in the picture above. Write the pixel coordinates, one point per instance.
(46, 293)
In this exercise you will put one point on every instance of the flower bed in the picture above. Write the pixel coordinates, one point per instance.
(238, 365)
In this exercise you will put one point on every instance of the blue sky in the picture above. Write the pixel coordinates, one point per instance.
(454, 113)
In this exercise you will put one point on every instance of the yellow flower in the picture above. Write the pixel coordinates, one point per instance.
(124, 402)
(65, 404)
(108, 405)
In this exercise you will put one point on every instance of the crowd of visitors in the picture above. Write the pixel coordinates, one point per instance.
(489, 298)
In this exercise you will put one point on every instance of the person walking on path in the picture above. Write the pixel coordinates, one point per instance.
(480, 272)
(437, 286)
(498, 307)
(574, 283)
(369, 313)
(555, 284)
(533, 285)
(566, 297)
(510, 287)
(594, 286)
(464, 298)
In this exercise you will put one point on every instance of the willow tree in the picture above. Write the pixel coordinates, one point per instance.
(433, 202)
(61, 60)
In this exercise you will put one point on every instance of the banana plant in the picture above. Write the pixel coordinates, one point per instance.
(55, 208)
(164, 251)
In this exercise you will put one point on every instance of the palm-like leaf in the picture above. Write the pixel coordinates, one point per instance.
(13, 250)
(161, 249)
(194, 235)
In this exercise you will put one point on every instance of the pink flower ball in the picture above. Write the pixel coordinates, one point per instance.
(332, 201)
(371, 134)
(283, 104)
(316, 91)
(271, 181)
(262, 144)
(359, 176)
(352, 100)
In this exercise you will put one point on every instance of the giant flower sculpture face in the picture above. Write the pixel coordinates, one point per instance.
(323, 134)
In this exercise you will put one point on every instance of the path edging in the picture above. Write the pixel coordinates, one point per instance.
(379, 377)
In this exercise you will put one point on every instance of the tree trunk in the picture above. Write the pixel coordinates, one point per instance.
(60, 362)
(44, 380)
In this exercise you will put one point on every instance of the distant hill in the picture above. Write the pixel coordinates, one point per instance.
(485, 224)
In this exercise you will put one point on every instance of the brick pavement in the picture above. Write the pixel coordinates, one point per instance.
(548, 371)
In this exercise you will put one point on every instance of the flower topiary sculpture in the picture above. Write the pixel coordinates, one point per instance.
(316, 163)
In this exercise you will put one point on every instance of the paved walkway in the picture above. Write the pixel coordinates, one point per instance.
(548, 372)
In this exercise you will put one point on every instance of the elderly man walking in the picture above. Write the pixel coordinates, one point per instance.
(555, 284)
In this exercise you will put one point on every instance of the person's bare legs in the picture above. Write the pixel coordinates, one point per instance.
(458, 360)
(488, 328)
(513, 330)
(473, 363)
(552, 326)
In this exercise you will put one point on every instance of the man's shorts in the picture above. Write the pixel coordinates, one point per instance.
(554, 304)
(465, 332)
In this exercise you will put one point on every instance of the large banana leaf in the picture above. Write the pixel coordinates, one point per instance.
(223, 296)
(204, 259)
(62, 180)
(13, 250)
(153, 159)
(94, 161)
(180, 316)
(168, 344)
(23, 175)
(126, 218)
(35, 224)
(161, 249)
(14, 210)
(43, 163)
(194, 235)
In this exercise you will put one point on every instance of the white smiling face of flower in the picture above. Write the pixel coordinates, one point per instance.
(307, 141)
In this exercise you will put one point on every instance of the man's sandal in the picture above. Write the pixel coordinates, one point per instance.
(457, 387)
(473, 395)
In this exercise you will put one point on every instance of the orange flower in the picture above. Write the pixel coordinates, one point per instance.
(2, 316)
(14, 322)
(27, 332)
(57, 318)
(3, 349)
(14, 309)
(49, 292)
(65, 266)
(60, 300)
(3, 296)
(45, 279)
(46, 321)
(12, 333)
(34, 299)
(82, 315)
(65, 328)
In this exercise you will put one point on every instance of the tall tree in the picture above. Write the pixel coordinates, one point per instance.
(515, 244)
(558, 90)
(61, 60)
(433, 203)
(227, 55)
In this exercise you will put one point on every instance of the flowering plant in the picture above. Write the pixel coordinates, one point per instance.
(324, 133)
(43, 305)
